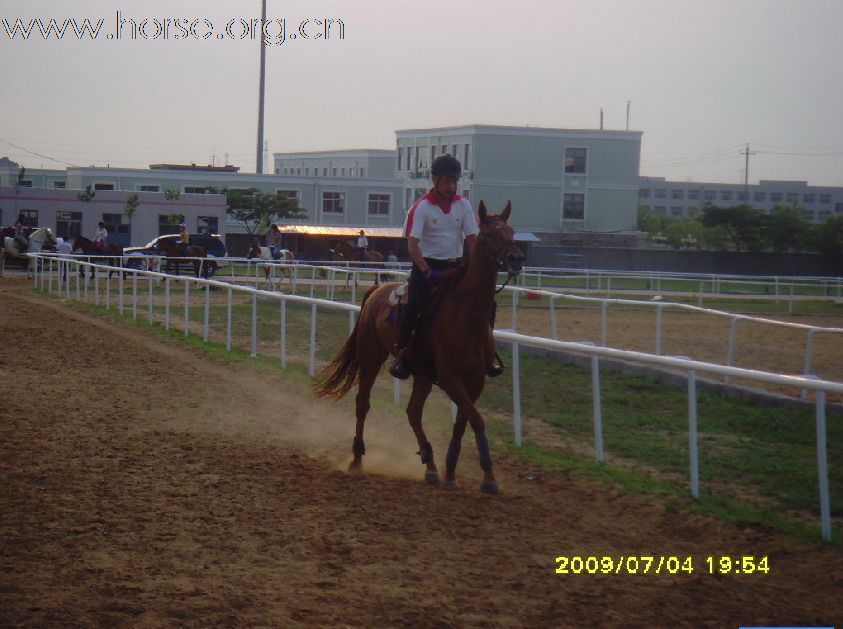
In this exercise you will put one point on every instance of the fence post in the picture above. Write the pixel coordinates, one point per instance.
(809, 357)
(516, 392)
(121, 288)
(134, 294)
(312, 368)
(553, 328)
(186, 307)
(822, 468)
(228, 323)
(149, 297)
(659, 309)
(206, 322)
(96, 286)
(514, 295)
(598, 409)
(254, 325)
(730, 353)
(283, 333)
(604, 309)
(692, 433)
(167, 303)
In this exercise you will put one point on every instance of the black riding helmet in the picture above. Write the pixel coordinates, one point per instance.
(446, 165)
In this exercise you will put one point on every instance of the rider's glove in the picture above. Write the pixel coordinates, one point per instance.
(434, 277)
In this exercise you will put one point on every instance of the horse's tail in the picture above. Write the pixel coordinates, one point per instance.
(339, 376)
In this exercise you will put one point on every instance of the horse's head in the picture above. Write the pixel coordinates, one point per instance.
(254, 251)
(499, 238)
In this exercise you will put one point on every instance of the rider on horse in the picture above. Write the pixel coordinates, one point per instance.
(184, 239)
(20, 237)
(274, 241)
(362, 245)
(435, 228)
(101, 236)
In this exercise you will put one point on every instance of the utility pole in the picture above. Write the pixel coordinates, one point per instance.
(746, 174)
(259, 157)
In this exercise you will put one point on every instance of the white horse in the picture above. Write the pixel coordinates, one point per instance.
(256, 252)
(38, 239)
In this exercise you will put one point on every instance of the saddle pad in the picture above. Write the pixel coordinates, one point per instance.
(399, 294)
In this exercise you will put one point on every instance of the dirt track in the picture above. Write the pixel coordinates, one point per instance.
(146, 484)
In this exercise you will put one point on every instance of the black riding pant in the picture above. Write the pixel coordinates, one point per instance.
(418, 293)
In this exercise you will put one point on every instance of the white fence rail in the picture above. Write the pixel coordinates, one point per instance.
(56, 275)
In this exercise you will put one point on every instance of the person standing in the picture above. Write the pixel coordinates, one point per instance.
(362, 245)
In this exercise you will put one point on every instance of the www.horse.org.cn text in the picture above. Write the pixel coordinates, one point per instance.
(273, 31)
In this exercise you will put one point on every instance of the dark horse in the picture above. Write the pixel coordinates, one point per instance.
(352, 254)
(174, 255)
(112, 249)
(459, 339)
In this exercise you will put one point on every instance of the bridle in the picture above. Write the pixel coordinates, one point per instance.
(500, 256)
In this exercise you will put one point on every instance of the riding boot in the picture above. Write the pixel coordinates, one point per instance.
(400, 367)
(496, 369)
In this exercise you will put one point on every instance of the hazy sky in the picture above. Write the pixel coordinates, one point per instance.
(703, 77)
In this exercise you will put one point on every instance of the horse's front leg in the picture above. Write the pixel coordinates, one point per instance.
(454, 448)
(421, 389)
(464, 397)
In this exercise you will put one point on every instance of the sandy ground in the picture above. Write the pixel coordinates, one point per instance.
(147, 484)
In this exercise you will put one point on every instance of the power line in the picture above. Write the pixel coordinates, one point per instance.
(26, 150)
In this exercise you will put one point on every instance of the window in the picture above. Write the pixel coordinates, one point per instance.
(324, 172)
(677, 194)
(792, 197)
(573, 207)
(306, 171)
(823, 214)
(334, 171)
(149, 187)
(293, 196)
(444, 149)
(432, 155)
(69, 225)
(660, 209)
(207, 224)
(103, 186)
(29, 218)
(644, 193)
(378, 204)
(298, 171)
(675, 211)
(742, 195)
(466, 162)
(454, 148)
(825, 198)
(194, 190)
(693, 194)
(409, 161)
(693, 211)
(59, 184)
(400, 155)
(465, 195)
(342, 172)
(661, 194)
(362, 171)
(775, 197)
(277, 170)
(709, 195)
(24, 183)
(759, 196)
(333, 202)
(838, 208)
(809, 197)
(808, 215)
(575, 160)
(725, 195)
(115, 224)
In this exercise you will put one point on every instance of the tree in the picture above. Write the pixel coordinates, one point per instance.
(650, 222)
(684, 231)
(743, 225)
(256, 210)
(787, 229)
(827, 237)
(132, 204)
(171, 194)
(87, 195)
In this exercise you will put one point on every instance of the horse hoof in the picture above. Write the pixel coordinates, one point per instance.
(431, 477)
(450, 484)
(355, 467)
(490, 488)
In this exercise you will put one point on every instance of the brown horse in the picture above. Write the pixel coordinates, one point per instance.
(352, 254)
(461, 349)
(173, 253)
(87, 247)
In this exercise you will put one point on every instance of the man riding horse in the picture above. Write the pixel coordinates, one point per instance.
(20, 238)
(435, 228)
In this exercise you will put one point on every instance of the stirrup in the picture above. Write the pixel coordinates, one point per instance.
(399, 368)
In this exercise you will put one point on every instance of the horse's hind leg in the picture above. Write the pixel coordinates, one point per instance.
(369, 370)
(454, 451)
(421, 389)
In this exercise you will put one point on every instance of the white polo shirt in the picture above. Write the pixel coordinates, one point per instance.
(441, 231)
